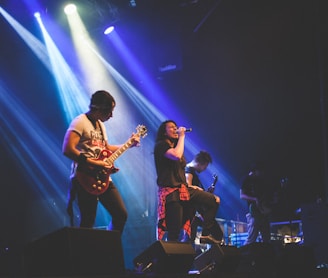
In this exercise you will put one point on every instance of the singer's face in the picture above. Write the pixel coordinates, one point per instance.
(171, 130)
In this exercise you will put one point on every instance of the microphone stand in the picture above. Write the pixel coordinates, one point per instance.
(284, 184)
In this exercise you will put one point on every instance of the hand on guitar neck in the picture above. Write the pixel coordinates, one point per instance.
(211, 188)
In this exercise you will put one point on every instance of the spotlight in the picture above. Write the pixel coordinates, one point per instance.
(133, 3)
(70, 9)
(109, 30)
(37, 15)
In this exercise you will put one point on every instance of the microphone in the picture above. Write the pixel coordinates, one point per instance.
(187, 130)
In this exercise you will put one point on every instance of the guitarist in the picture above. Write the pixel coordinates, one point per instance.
(84, 140)
(199, 164)
(254, 189)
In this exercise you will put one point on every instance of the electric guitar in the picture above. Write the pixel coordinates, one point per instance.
(212, 186)
(267, 202)
(262, 207)
(210, 189)
(95, 180)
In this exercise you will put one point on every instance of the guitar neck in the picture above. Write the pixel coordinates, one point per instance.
(215, 179)
(115, 155)
(212, 186)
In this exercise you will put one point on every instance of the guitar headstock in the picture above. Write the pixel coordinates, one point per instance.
(215, 178)
(141, 130)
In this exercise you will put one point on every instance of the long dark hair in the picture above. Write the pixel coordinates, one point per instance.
(162, 130)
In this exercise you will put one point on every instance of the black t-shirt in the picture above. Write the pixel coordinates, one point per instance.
(170, 173)
(254, 186)
(195, 178)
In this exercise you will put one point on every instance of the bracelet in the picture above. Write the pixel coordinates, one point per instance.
(82, 159)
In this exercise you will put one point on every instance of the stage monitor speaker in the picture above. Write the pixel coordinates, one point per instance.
(258, 258)
(75, 251)
(315, 230)
(166, 257)
(218, 259)
(297, 260)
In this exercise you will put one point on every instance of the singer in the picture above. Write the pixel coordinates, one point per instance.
(176, 200)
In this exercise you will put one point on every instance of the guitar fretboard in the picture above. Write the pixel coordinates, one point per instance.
(110, 160)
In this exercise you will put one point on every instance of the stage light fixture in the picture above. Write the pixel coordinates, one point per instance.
(109, 30)
(37, 15)
(133, 3)
(70, 9)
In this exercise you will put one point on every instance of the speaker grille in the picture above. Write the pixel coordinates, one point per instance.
(166, 257)
(75, 251)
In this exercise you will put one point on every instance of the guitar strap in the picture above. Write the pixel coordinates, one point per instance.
(95, 126)
(102, 131)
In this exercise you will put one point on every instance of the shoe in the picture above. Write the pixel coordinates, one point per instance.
(209, 240)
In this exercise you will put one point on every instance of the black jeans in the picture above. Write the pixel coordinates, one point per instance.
(177, 212)
(110, 199)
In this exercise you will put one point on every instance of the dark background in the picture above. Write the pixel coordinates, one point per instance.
(251, 80)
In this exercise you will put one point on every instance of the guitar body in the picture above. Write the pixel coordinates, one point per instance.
(262, 208)
(95, 180)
